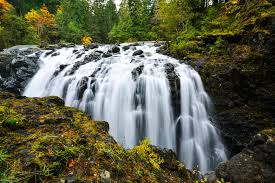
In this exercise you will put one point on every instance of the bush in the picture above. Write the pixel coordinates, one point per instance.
(145, 151)
(15, 30)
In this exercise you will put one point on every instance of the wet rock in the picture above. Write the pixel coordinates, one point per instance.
(126, 47)
(137, 72)
(55, 54)
(138, 52)
(16, 68)
(174, 82)
(93, 57)
(82, 86)
(115, 49)
(91, 46)
(106, 54)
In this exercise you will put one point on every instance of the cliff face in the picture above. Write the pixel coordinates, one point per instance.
(234, 55)
(41, 140)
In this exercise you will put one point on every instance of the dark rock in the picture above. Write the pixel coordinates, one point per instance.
(106, 55)
(138, 52)
(254, 164)
(55, 54)
(16, 68)
(102, 125)
(126, 47)
(91, 46)
(82, 86)
(158, 44)
(137, 72)
(115, 49)
(240, 169)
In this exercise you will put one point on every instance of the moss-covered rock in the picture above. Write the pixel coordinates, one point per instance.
(41, 140)
(233, 50)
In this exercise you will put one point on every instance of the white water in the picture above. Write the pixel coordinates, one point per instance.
(136, 107)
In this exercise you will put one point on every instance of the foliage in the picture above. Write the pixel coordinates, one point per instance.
(22, 7)
(73, 20)
(42, 21)
(86, 40)
(104, 16)
(134, 21)
(4, 8)
(219, 47)
(146, 152)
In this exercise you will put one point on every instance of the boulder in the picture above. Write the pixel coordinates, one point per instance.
(254, 164)
(138, 52)
(115, 49)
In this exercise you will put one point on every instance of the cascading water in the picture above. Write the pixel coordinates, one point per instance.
(148, 95)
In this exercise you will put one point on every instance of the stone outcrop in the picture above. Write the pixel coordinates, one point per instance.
(254, 164)
(41, 140)
(17, 66)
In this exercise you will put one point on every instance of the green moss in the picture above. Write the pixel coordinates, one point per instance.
(54, 141)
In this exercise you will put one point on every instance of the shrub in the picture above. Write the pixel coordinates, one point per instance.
(87, 40)
(145, 151)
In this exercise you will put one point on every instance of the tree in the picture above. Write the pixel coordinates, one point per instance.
(42, 21)
(73, 20)
(173, 17)
(104, 16)
(14, 30)
(134, 20)
(24, 6)
(123, 29)
(4, 8)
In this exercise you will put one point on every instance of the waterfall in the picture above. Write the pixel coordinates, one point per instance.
(148, 95)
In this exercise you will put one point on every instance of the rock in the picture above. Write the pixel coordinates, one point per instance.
(254, 164)
(71, 146)
(211, 177)
(138, 52)
(55, 54)
(91, 46)
(106, 55)
(240, 169)
(102, 125)
(115, 49)
(126, 47)
(17, 66)
(137, 72)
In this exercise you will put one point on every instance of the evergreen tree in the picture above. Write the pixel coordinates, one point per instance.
(104, 16)
(73, 20)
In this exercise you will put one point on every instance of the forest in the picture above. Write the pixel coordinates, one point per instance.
(78, 21)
